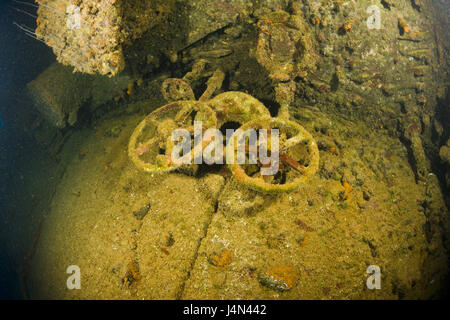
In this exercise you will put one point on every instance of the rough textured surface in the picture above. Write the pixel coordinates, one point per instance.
(108, 27)
(190, 245)
(377, 104)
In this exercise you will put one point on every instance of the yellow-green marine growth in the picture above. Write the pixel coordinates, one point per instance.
(151, 144)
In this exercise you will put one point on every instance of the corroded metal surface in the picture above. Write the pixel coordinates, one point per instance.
(91, 35)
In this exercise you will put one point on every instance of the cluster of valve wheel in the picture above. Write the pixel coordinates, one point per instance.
(151, 144)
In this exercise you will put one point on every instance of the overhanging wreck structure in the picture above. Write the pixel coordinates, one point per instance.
(90, 35)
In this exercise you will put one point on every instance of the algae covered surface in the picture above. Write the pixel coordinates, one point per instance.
(106, 215)
(367, 83)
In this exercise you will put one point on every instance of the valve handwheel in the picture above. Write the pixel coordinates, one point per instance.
(150, 146)
(298, 157)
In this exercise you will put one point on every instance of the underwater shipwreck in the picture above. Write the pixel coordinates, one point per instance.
(354, 102)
